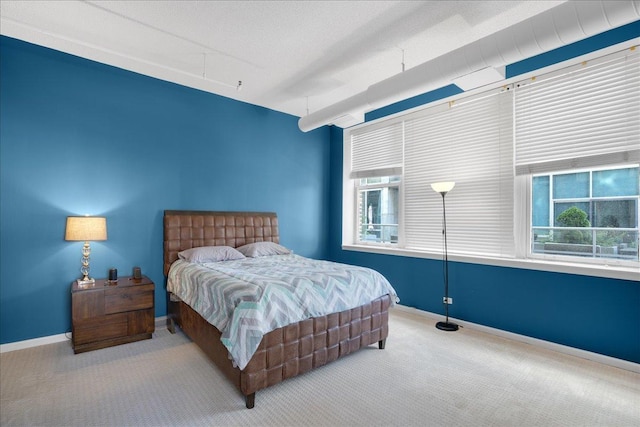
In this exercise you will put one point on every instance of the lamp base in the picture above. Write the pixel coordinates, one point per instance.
(447, 326)
(86, 282)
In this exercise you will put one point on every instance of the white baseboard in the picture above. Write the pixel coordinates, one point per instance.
(600, 358)
(19, 345)
(161, 321)
(584, 354)
(52, 339)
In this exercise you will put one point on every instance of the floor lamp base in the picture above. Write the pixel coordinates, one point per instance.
(446, 326)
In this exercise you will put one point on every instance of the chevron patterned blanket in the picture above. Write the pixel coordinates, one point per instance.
(247, 298)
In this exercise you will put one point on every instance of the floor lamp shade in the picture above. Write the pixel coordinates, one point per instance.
(443, 188)
(86, 228)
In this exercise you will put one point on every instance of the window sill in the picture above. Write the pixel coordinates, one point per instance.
(607, 271)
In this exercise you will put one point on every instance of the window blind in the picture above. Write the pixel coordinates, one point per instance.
(469, 142)
(377, 150)
(584, 116)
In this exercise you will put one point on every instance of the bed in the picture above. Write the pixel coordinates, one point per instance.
(284, 352)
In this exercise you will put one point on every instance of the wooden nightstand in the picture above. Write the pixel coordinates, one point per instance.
(104, 315)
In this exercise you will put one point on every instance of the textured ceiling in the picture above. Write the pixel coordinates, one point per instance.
(291, 56)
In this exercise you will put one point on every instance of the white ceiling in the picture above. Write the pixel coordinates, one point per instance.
(291, 56)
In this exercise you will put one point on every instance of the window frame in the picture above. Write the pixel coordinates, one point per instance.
(522, 201)
(603, 261)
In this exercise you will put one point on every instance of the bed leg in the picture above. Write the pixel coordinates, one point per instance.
(171, 325)
(250, 400)
(382, 343)
(171, 310)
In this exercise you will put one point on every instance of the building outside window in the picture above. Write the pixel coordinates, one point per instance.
(378, 209)
(592, 213)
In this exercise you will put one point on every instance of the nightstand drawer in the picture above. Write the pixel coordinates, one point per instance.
(119, 300)
(101, 329)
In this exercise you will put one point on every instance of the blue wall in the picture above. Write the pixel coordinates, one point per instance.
(590, 313)
(150, 145)
(78, 137)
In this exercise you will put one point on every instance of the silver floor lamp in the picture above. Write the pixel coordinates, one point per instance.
(443, 188)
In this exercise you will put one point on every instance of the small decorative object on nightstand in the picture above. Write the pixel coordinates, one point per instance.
(104, 316)
(113, 277)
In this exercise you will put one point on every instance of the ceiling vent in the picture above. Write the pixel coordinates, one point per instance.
(348, 120)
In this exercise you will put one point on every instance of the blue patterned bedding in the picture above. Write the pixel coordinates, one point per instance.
(247, 298)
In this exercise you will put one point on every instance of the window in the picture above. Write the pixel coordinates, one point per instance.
(469, 141)
(378, 213)
(573, 128)
(546, 167)
(590, 213)
(374, 165)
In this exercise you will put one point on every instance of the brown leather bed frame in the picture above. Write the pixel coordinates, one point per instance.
(283, 353)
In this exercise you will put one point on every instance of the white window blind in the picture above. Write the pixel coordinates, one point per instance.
(377, 151)
(469, 142)
(584, 116)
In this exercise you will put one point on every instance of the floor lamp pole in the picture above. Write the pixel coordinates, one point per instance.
(446, 325)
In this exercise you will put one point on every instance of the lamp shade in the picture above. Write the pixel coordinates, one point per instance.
(443, 187)
(85, 228)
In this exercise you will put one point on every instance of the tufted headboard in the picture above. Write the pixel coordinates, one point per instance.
(192, 229)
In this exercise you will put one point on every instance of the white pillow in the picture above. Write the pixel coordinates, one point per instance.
(258, 249)
(210, 254)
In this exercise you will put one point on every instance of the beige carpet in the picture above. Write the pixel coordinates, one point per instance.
(424, 377)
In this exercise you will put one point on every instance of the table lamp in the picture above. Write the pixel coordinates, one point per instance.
(86, 228)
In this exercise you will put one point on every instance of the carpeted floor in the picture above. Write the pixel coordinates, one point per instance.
(424, 377)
